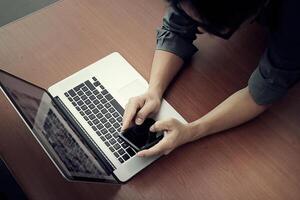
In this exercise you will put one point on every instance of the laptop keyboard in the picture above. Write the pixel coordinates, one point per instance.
(103, 113)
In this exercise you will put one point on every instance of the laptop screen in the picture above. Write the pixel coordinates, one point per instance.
(74, 159)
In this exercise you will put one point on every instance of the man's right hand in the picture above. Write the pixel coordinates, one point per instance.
(139, 108)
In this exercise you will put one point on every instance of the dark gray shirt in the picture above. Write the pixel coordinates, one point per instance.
(279, 67)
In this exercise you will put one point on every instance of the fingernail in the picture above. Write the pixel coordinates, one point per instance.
(152, 128)
(138, 121)
(140, 154)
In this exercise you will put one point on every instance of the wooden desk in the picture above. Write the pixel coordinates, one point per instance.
(259, 160)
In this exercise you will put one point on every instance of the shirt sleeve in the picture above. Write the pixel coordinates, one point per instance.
(177, 34)
(279, 67)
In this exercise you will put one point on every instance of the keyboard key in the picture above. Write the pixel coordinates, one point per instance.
(96, 101)
(116, 125)
(84, 107)
(111, 110)
(116, 135)
(80, 93)
(97, 83)
(77, 108)
(94, 78)
(91, 106)
(74, 104)
(99, 115)
(107, 125)
(121, 151)
(92, 116)
(86, 118)
(108, 97)
(103, 111)
(100, 106)
(107, 105)
(124, 145)
(102, 138)
(108, 115)
(70, 99)
(72, 93)
(66, 94)
(83, 97)
(103, 101)
(116, 154)
(80, 103)
(100, 126)
(117, 146)
(121, 160)
(119, 119)
(111, 149)
(98, 133)
(78, 87)
(76, 98)
(96, 92)
(112, 120)
(90, 123)
(103, 131)
(82, 113)
(92, 97)
(84, 89)
(112, 141)
(95, 111)
(89, 93)
(94, 128)
(89, 85)
(115, 114)
(117, 106)
(111, 130)
(106, 143)
(99, 96)
(87, 112)
(104, 92)
(119, 140)
(103, 120)
(96, 121)
(108, 136)
(87, 102)
(125, 157)
(130, 151)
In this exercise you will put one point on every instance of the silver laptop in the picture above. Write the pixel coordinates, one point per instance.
(78, 120)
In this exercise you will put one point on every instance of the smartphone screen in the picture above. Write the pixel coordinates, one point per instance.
(140, 137)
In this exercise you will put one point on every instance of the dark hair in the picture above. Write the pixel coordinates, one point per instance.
(223, 14)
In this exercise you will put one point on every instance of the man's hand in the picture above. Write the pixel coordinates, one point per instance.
(139, 108)
(176, 134)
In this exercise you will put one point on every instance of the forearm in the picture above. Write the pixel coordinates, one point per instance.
(235, 110)
(165, 65)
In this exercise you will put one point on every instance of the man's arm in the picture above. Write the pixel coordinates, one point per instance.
(165, 66)
(235, 110)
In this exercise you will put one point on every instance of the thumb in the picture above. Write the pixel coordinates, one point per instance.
(162, 125)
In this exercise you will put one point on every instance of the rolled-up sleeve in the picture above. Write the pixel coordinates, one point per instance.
(177, 33)
(279, 67)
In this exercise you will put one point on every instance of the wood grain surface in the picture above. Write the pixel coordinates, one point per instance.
(259, 160)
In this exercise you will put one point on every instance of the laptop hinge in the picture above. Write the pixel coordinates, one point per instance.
(82, 133)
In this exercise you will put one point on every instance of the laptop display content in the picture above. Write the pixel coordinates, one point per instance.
(72, 156)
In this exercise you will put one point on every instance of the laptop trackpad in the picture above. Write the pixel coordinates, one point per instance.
(132, 89)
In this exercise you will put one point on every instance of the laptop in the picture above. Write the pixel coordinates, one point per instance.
(77, 121)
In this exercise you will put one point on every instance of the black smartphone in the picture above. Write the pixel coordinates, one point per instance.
(140, 137)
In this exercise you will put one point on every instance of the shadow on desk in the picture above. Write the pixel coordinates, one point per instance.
(9, 189)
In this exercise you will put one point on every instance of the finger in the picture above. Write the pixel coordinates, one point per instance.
(157, 149)
(143, 113)
(161, 125)
(129, 114)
